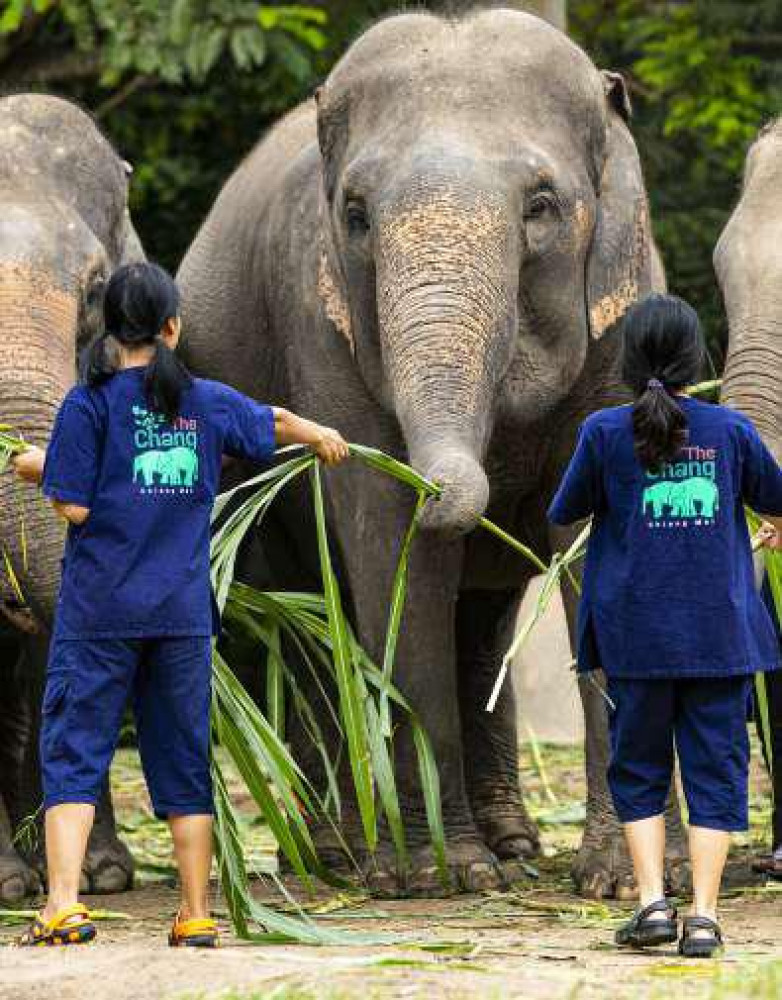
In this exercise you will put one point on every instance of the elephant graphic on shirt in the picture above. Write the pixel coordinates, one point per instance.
(702, 491)
(149, 464)
(681, 498)
(174, 467)
(659, 496)
(180, 467)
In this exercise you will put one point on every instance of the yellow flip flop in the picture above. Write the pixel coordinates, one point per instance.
(201, 933)
(73, 925)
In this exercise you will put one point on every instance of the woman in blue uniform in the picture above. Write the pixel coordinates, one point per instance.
(669, 609)
(133, 465)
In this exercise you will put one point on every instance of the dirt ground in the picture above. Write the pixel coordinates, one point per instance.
(537, 941)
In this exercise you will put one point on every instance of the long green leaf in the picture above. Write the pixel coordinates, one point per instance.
(398, 594)
(349, 699)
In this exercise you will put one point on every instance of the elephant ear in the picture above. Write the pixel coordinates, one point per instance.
(332, 138)
(619, 266)
(131, 250)
(332, 132)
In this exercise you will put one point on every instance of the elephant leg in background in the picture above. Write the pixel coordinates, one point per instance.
(108, 867)
(425, 673)
(484, 630)
(17, 879)
(602, 868)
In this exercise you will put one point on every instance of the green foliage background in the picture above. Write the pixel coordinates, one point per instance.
(185, 87)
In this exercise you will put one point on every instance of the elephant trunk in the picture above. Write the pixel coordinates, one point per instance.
(751, 379)
(446, 314)
(36, 369)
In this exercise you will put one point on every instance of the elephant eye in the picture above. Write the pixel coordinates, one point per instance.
(540, 203)
(356, 218)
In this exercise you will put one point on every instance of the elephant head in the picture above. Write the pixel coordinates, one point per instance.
(483, 220)
(64, 225)
(748, 261)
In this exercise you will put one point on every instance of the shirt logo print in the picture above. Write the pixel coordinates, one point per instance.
(683, 493)
(166, 455)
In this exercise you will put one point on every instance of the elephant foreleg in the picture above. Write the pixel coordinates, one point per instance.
(425, 673)
(17, 880)
(485, 624)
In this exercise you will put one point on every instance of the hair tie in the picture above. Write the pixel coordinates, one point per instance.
(654, 383)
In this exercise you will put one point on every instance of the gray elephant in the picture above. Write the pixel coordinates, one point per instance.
(431, 257)
(64, 225)
(748, 262)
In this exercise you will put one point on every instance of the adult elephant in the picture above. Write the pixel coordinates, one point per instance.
(748, 261)
(64, 224)
(430, 256)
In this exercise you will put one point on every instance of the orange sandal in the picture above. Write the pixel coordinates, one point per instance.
(194, 933)
(72, 925)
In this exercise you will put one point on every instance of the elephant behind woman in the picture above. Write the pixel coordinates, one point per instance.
(64, 225)
(431, 257)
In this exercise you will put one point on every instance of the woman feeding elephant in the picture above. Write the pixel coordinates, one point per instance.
(652, 582)
(135, 612)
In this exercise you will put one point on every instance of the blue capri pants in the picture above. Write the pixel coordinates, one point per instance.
(88, 685)
(706, 718)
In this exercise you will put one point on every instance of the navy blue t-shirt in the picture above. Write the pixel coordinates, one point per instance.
(139, 565)
(669, 588)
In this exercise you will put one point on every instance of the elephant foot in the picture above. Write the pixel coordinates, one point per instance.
(17, 880)
(603, 869)
(470, 868)
(510, 837)
(334, 853)
(108, 867)
(678, 873)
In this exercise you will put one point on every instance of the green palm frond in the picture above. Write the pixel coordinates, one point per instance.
(316, 628)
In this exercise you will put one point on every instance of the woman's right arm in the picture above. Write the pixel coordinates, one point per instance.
(29, 466)
(70, 467)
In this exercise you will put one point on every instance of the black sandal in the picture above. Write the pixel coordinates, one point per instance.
(641, 932)
(699, 947)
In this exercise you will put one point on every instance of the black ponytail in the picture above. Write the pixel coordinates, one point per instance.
(140, 299)
(164, 381)
(663, 351)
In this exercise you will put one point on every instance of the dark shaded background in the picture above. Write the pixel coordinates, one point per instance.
(185, 88)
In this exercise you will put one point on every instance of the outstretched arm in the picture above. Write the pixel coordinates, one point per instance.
(328, 444)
